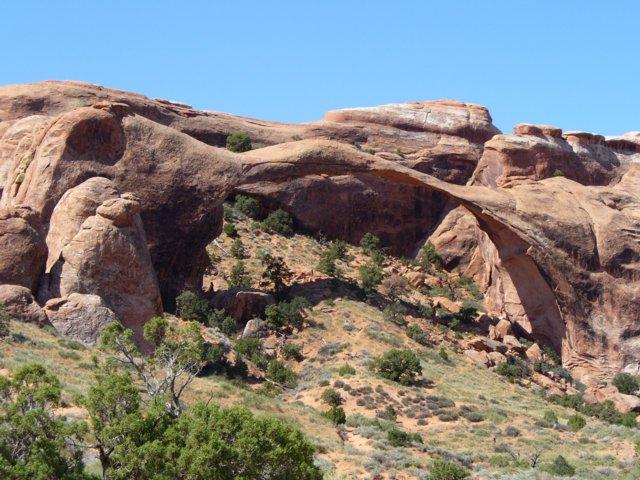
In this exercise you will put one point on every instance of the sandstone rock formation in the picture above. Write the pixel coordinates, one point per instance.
(112, 194)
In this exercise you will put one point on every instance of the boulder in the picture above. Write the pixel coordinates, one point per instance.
(624, 403)
(255, 328)
(496, 358)
(485, 345)
(22, 246)
(20, 304)
(503, 328)
(243, 305)
(80, 316)
(534, 353)
(548, 384)
(478, 357)
(513, 344)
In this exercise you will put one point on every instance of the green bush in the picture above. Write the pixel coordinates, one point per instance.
(417, 334)
(278, 222)
(331, 397)
(280, 373)
(327, 263)
(402, 366)
(247, 206)
(511, 431)
(561, 467)
(442, 353)
(238, 142)
(558, 173)
(291, 351)
(4, 321)
(237, 249)
(428, 258)
(626, 383)
(446, 470)
(550, 417)
(336, 415)
(395, 312)
(370, 277)
(239, 278)
(230, 230)
(389, 413)
(346, 369)
(576, 422)
(370, 243)
(513, 369)
(190, 306)
(400, 438)
(286, 314)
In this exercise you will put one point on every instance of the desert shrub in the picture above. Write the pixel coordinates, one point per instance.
(442, 353)
(511, 431)
(291, 351)
(238, 142)
(4, 321)
(278, 222)
(239, 278)
(395, 312)
(394, 286)
(448, 416)
(561, 467)
(568, 401)
(389, 413)
(346, 369)
(338, 249)
(276, 274)
(69, 355)
(428, 258)
(513, 369)
(251, 348)
(280, 373)
(190, 306)
(558, 173)
(426, 311)
(230, 230)
(402, 366)
(416, 333)
(552, 355)
(369, 243)
(370, 277)
(607, 412)
(400, 438)
(446, 470)
(327, 264)
(286, 313)
(576, 422)
(626, 383)
(470, 286)
(471, 414)
(550, 417)
(331, 397)
(336, 415)
(247, 206)
(377, 257)
(237, 249)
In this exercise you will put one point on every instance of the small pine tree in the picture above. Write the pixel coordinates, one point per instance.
(237, 249)
(247, 206)
(429, 258)
(370, 277)
(370, 243)
(402, 366)
(239, 278)
(276, 273)
(278, 222)
(4, 321)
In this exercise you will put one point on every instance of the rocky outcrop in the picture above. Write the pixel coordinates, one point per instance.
(20, 304)
(78, 316)
(560, 254)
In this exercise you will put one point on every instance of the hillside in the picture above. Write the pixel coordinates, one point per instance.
(461, 410)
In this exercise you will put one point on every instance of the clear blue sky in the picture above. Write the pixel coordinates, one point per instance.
(574, 64)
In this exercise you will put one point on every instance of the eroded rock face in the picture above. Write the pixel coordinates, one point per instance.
(559, 255)
(81, 317)
(20, 304)
(22, 246)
